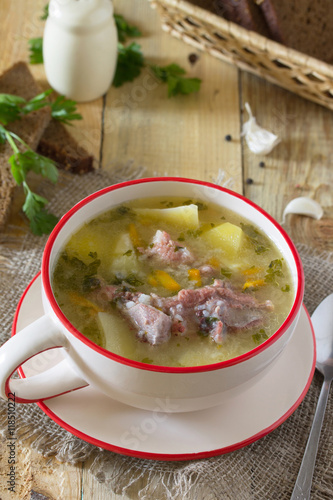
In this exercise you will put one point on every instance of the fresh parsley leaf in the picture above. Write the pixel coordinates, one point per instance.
(64, 110)
(163, 73)
(22, 163)
(2, 135)
(10, 108)
(147, 361)
(123, 210)
(43, 223)
(133, 280)
(74, 274)
(173, 75)
(194, 233)
(43, 166)
(129, 64)
(13, 107)
(45, 13)
(17, 171)
(227, 273)
(258, 240)
(36, 50)
(274, 271)
(33, 202)
(200, 205)
(260, 336)
(37, 102)
(124, 29)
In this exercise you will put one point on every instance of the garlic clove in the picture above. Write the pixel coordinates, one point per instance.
(259, 140)
(303, 206)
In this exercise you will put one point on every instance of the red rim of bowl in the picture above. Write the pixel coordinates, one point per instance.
(169, 369)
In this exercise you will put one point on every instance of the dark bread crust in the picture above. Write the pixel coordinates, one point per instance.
(57, 144)
(49, 137)
(306, 26)
(18, 80)
(246, 13)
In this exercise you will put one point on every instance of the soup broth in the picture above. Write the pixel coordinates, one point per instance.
(173, 282)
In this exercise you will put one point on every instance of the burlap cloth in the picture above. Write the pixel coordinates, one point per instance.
(267, 469)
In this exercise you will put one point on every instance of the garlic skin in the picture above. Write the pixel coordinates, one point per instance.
(259, 140)
(303, 206)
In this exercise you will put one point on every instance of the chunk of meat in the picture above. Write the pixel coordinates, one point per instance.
(208, 271)
(153, 325)
(212, 310)
(168, 251)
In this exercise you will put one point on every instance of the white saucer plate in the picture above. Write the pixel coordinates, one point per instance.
(231, 425)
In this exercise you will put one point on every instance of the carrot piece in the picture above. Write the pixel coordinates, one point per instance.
(253, 284)
(82, 301)
(166, 280)
(151, 280)
(214, 262)
(134, 235)
(194, 275)
(251, 271)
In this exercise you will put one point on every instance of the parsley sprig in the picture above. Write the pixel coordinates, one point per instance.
(41, 221)
(131, 62)
(64, 110)
(13, 108)
(173, 75)
(36, 50)
(124, 29)
(274, 271)
(45, 12)
(129, 65)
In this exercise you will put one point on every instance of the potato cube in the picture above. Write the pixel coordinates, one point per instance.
(228, 237)
(117, 336)
(124, 259)
(87, 241)
(185, 216)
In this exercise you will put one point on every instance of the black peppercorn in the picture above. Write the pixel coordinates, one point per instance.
(193, 58)
(228, 138)
(262, 164)
(249, 181)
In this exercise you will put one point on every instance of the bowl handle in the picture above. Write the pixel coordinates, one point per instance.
(40, 336)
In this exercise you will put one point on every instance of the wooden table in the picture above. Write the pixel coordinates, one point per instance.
(183, 136)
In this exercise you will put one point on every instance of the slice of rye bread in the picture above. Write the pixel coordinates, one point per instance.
(49, 137)
(18, 80)
(306, 26)
(57, 143)
(246, 13)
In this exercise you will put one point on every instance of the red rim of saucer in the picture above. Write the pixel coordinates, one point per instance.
(166, 369)
(163, 456)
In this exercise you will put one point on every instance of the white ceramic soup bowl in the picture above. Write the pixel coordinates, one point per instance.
(134, 383)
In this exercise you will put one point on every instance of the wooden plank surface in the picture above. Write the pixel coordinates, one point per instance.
(169, 136)
(301, 165)
(182, 136)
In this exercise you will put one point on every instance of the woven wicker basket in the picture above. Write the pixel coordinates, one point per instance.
(290, 69)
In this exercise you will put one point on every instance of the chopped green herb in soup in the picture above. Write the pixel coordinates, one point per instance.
(173, 282)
